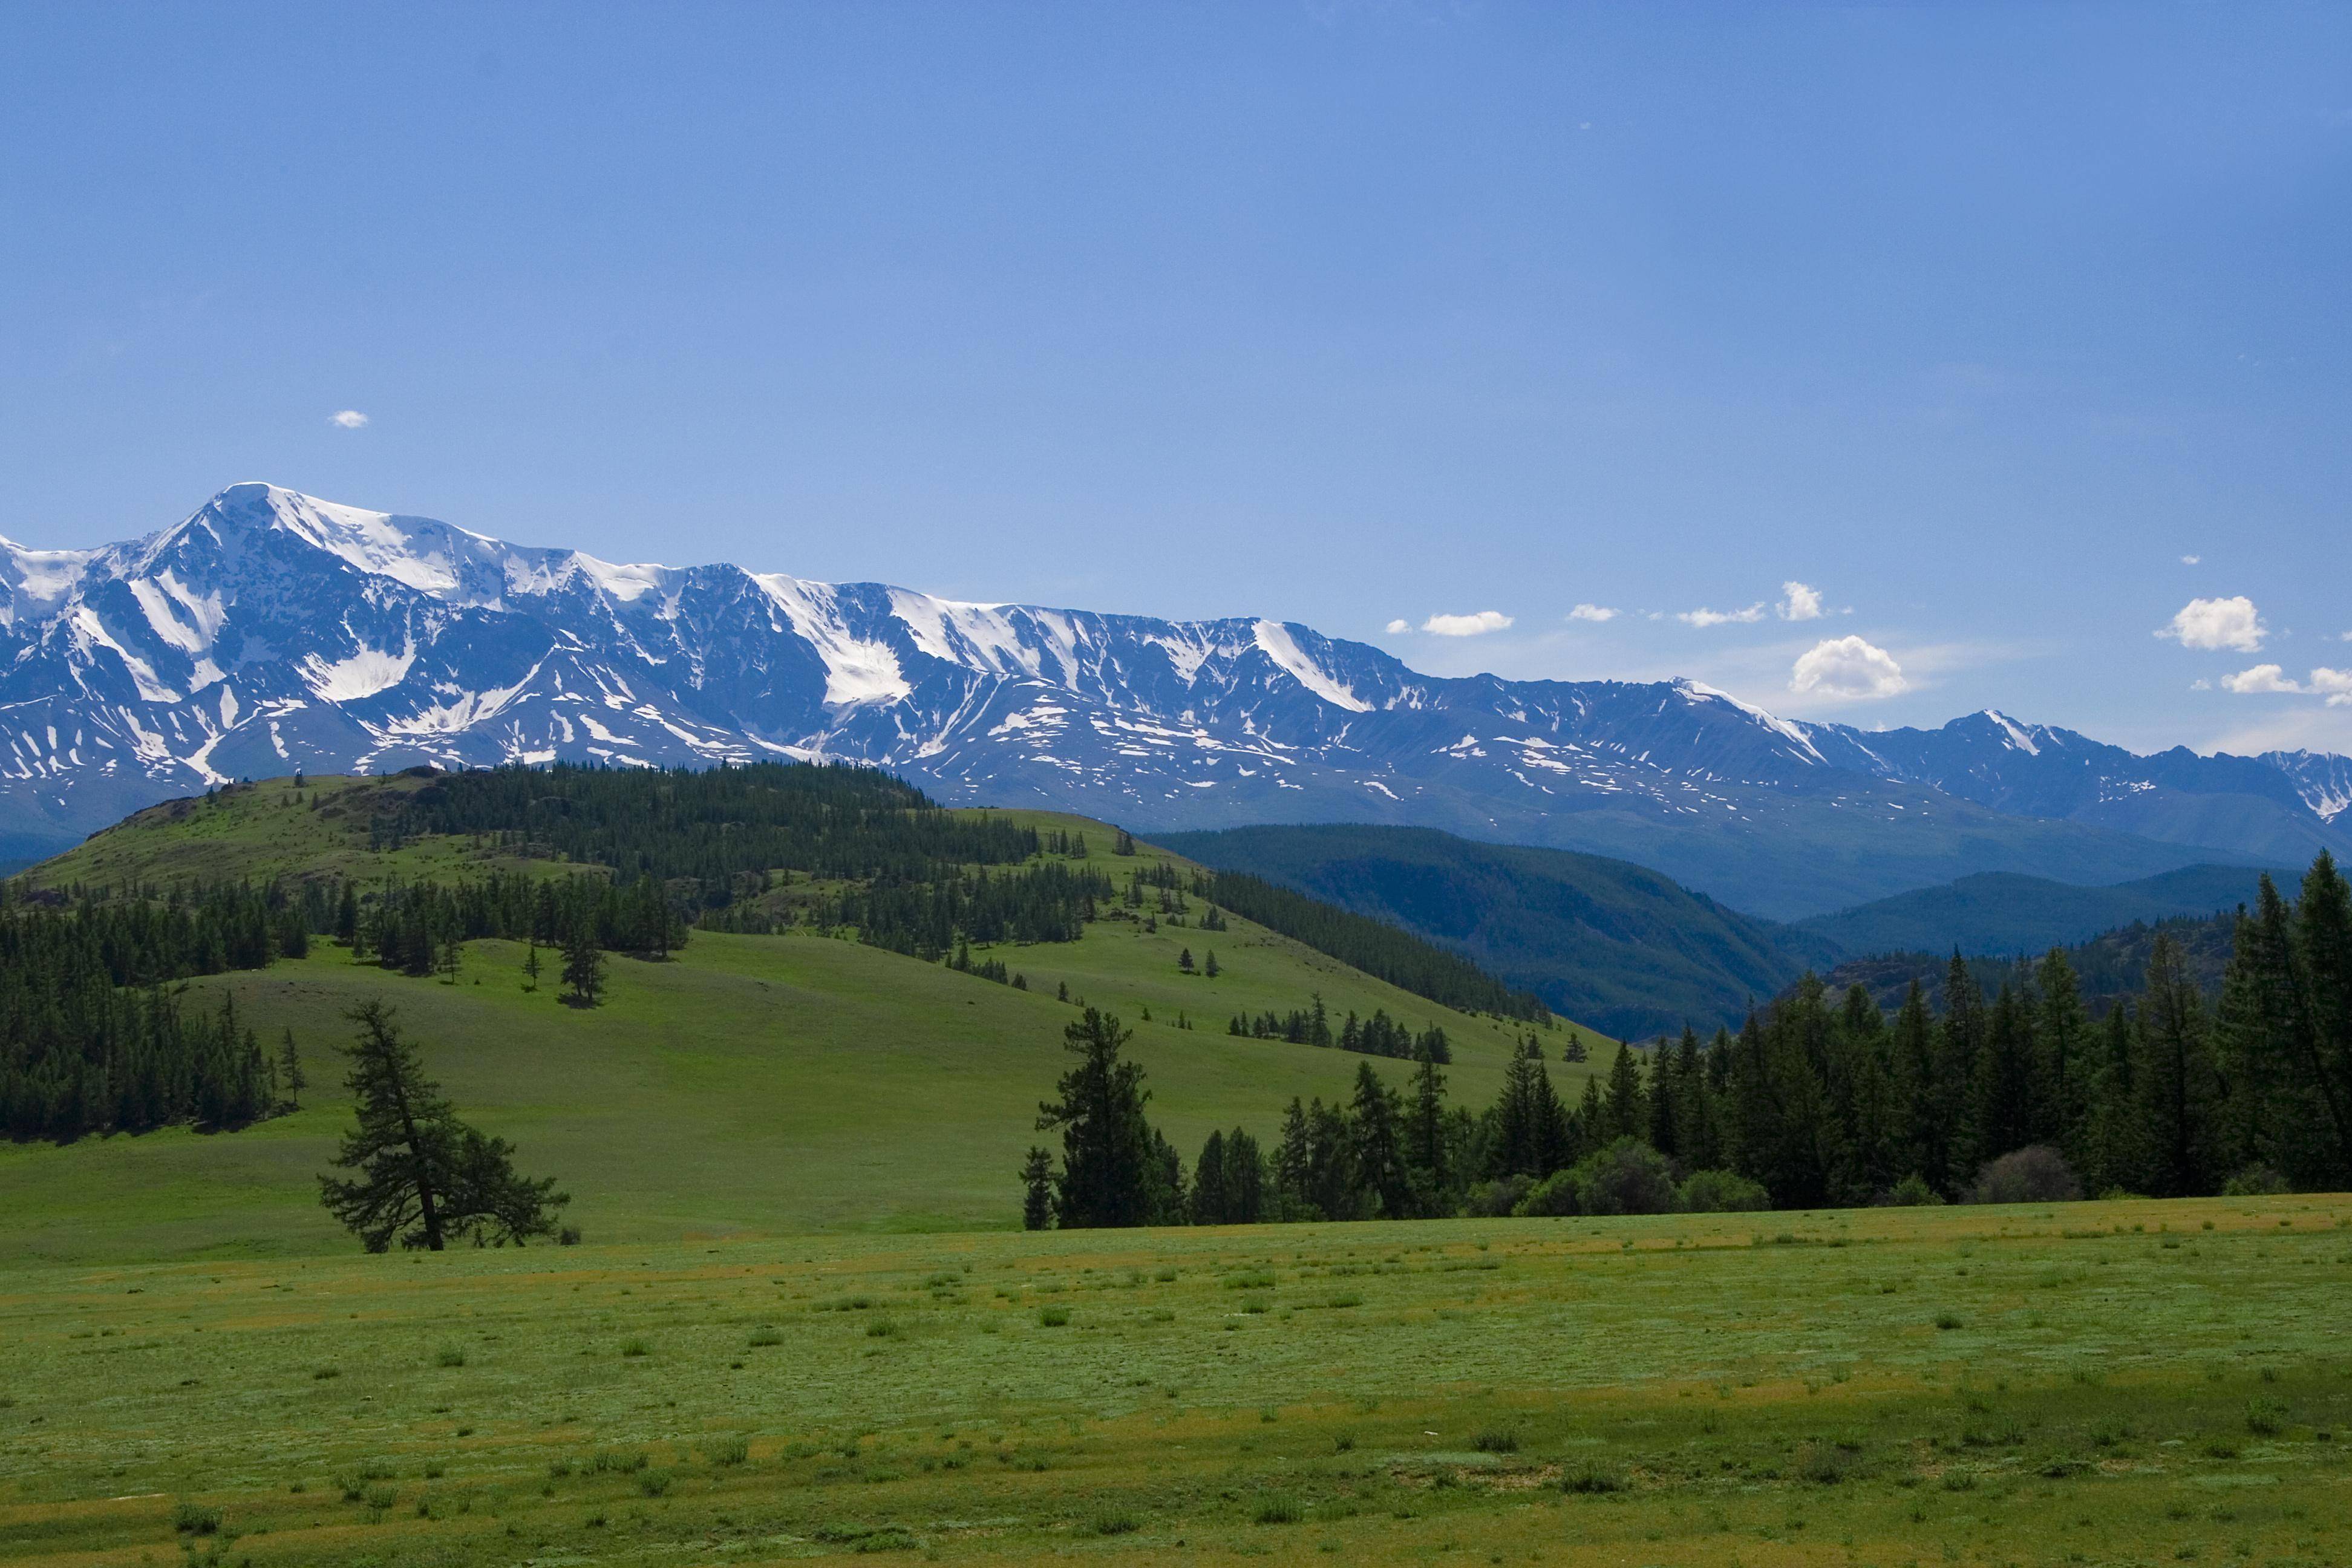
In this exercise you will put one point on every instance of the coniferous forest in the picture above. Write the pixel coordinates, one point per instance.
(2022, 1095)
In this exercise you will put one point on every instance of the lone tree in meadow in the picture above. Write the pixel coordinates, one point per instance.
(1113, 1170)
(424, 1176)
(290, 1077)
(584, 966)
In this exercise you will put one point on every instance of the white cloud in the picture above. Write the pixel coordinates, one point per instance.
(1601, 613)
(2192, 560)
(1399, 625)
(1847, 667)
(1705, 618)
(1803, 603)
(2262, 678)
(2218, 624)
(1470, 626)
(348, 419)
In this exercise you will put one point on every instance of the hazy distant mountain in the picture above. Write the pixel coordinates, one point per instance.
(270, 631)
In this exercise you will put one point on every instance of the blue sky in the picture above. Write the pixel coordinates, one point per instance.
(1976, 322)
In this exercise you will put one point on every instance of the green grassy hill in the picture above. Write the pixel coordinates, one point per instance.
(754, 1084)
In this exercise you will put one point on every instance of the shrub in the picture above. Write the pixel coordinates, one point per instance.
(449, 1355)
(764, 1335)
(2255, 1182)
(2034, 1174)
(653, 1483)
(1116, 1522)
(1722, 1192)
(728, 1450)
(1591, 1480)
(1493, 1200)
(1627, 1177)
(195, 1519)
(2264, 1417)
(1553, 1197)
(1496, 1440)
(1052, 1317)
(635, 1347)
(1278, 1508)
(883, 1329)
(1911, 1192)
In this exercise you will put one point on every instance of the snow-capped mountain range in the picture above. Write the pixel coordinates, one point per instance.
(271, 631)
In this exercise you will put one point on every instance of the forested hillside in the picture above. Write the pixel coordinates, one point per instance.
(580, 935)
(1818, 1101)
(1619, 946)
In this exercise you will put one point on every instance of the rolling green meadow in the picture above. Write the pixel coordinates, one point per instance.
(801, 1324)
(2113, 1382)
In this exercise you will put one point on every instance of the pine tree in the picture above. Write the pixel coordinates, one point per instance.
(424, 1175)
(2323, 953)
(1925, 1132)
(1210, 967)
(583, 965)
(1425, 1133)
(1293, 1163)
(2063, 1042)
(1375, 1121)
(1037, 1190)
(2006, 1110)
(1628, 1114)
(530, 966)
(1108, 1154)
(2115, 1153)
(1244, 1179)
(290, 1072)
(1209, 1181)
(2177, 1086)
(1184, 962)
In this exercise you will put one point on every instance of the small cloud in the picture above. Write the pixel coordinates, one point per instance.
(1470, 626)
(2200, 684)
(2266, 680)
(1704, 617)
(1849, 667)
(2262, 678)
(2215, 625)
(348, 419)
(1399, 627)
(2192, 560)
(1591, 613)
(1803, 603)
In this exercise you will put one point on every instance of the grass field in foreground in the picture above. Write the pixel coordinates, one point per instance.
(2110, 1382)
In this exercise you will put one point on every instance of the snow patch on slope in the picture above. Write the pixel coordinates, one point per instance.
(856, 670)
(363, 674)
(1273, 640)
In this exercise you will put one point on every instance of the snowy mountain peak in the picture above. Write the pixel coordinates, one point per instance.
(272, 630)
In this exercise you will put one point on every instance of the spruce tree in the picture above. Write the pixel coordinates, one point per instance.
(1109, 1151)
(290, 1072)
(1209, 1181)
(2006, 1112)
(1628, 1114)
(2178, 1087)
(1037, 1190)
(1425, 1133)
(1244, 1179)
(2322, 952)
(2062, 1038)
(1375, 1119)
